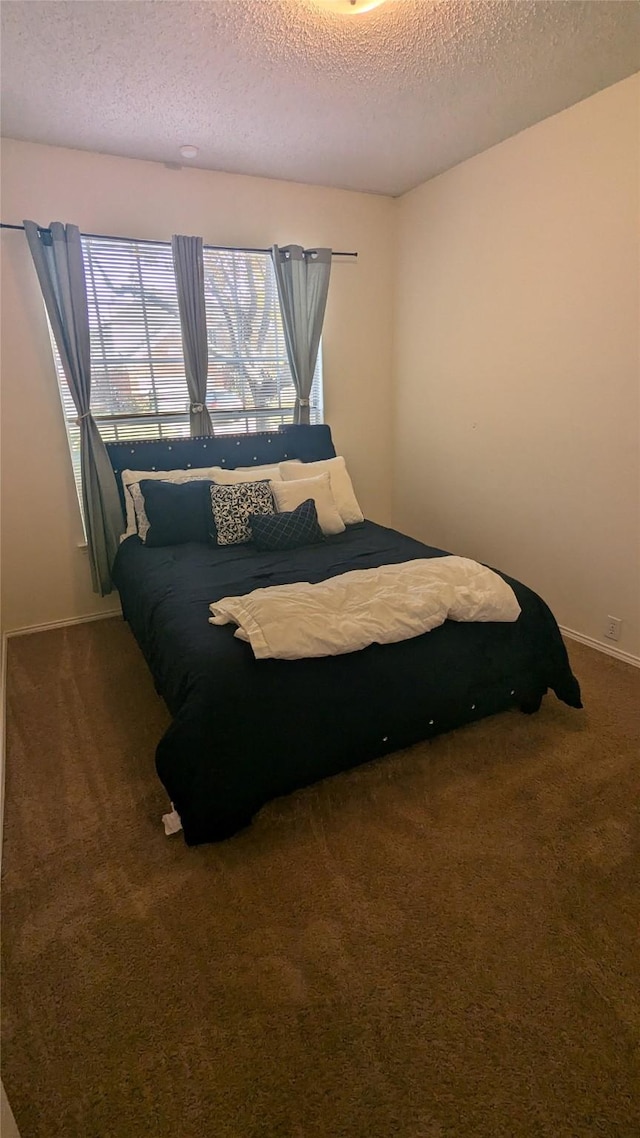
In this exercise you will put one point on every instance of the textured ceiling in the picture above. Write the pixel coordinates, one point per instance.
(288, 89)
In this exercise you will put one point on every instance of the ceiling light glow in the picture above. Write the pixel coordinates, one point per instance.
(189, 151)
(350, 7)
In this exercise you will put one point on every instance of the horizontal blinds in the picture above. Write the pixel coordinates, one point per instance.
(138, 386)
(137, 366)
(248, 365)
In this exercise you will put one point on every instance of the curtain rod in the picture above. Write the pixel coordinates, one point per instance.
(149, 241)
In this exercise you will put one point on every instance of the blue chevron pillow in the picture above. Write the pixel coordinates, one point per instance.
(287, 530)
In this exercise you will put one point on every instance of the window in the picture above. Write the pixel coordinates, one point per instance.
(138, 386)
(249, 384)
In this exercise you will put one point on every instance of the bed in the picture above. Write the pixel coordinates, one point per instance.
(247, 730)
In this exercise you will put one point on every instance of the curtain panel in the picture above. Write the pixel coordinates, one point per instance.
(188, 266)
(59, 264)
(302, 277)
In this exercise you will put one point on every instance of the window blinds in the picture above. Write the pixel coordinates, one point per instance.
(138, 387)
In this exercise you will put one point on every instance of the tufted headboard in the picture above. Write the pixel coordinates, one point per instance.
(308, 443)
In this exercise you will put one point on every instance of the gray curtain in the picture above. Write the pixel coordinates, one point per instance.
(57, 256)
(188, 266)
(302, 278)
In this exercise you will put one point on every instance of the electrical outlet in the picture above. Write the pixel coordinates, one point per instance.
(613, 628)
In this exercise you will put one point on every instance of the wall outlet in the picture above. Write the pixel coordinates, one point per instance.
(613, 627)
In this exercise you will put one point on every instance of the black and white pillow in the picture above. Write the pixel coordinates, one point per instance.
(232, 506)
(288, 530)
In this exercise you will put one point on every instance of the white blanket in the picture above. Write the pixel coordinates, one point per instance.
(365, 606)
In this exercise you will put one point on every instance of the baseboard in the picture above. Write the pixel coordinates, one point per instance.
(30, 628)
(608, 650)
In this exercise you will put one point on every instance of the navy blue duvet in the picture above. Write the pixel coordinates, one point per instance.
(246, 730)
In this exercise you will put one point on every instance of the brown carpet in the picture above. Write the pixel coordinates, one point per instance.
(441, 944)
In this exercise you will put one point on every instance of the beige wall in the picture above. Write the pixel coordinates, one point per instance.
(45, 574)
(517, 382)
(516, 349)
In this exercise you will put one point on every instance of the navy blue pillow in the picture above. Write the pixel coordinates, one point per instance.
(287, 530)
(177, 511)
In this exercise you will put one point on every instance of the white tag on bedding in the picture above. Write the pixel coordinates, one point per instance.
(171, 822)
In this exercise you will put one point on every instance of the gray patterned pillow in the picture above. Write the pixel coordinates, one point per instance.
(232, 506)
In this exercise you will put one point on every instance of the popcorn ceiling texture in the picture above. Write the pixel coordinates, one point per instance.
(286, 89)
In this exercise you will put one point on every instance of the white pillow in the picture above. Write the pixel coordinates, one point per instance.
(289, 495)
(134, 502)
(247, 474)
(341, 484)
(130, 477)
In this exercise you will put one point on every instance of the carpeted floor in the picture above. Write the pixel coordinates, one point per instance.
(441, 944)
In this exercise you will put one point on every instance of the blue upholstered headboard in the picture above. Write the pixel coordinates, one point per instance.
(308, 443)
